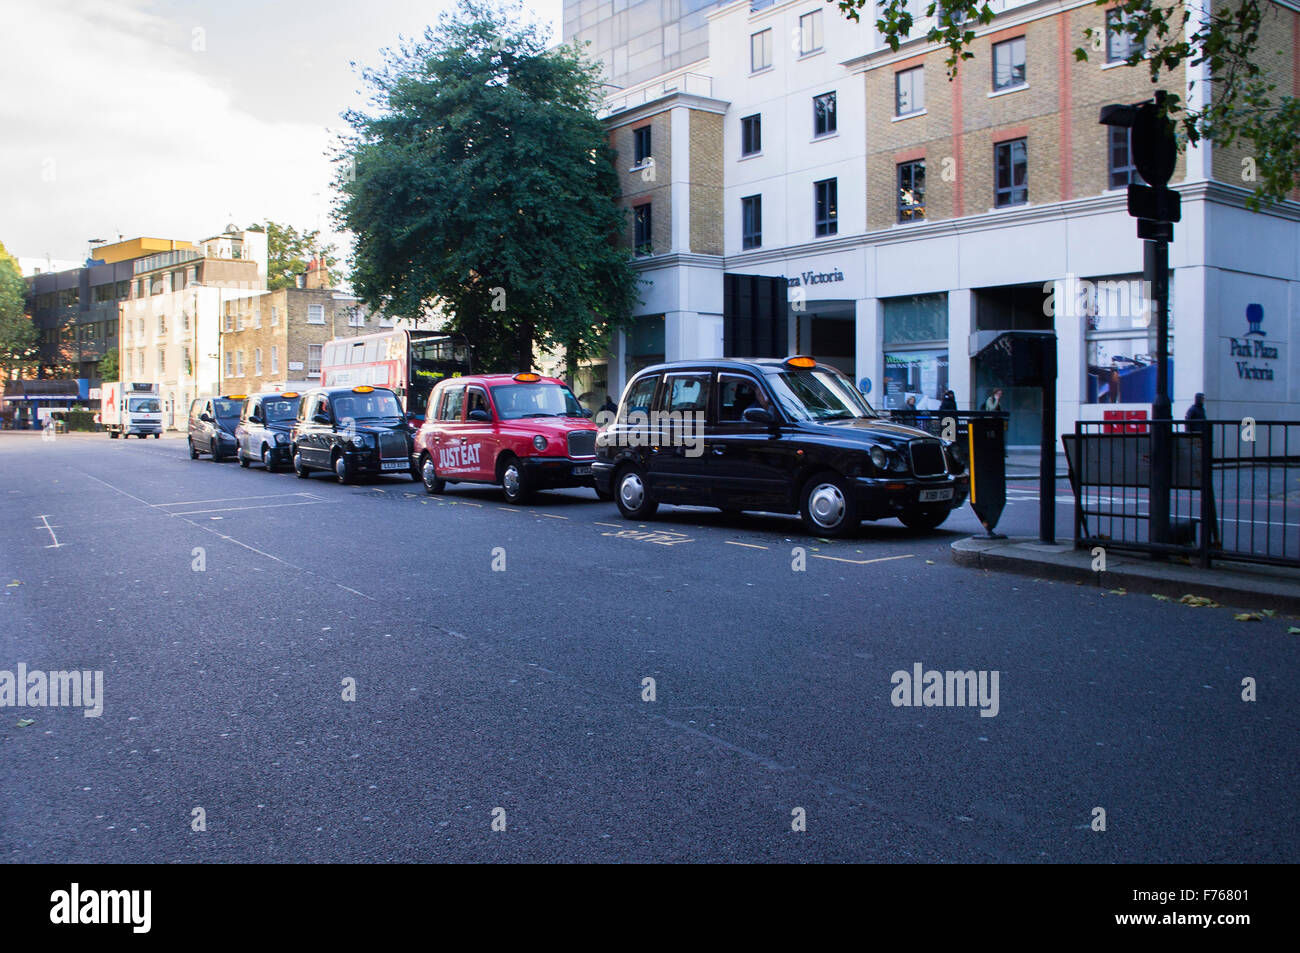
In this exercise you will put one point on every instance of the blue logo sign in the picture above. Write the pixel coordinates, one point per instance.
(1255, 317)
(864, 385)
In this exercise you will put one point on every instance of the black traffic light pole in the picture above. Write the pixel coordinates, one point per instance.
(1156, 207)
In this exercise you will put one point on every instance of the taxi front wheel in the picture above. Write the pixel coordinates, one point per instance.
(433, 484)
(828, 508)
(514, 482)
(631, 495)
(299, 467)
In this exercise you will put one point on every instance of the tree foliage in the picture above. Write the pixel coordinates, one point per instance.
(18, 336)
(482, 180)
(288, 251)
(108, 366)
(1246, 104)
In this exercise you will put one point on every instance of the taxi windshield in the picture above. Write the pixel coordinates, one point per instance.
(282, 408)
(146, 405)
(819, 394)
(375, 405)
(543, 399)
(228, 409)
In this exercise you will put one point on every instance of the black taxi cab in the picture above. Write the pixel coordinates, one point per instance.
(350, 431)
(262, 434)
(772, 435)
(522, 432)
(212, 423)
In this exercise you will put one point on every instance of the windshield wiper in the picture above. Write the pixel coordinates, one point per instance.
(541, 414)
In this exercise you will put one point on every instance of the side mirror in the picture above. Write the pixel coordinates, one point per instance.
(481, 416)
(757, 415)
(586, 412)
(321, 418)
(205, 417)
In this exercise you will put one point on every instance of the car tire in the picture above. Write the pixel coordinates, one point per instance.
(157, 436)
(267, 460)
(827, 506)
(299, 468)
(112, 435)
(217, 456)
(344, 472)
(194, 454)
(924, 519)
(433, 484)
(514, 481)
(243, 460)
(631, 494)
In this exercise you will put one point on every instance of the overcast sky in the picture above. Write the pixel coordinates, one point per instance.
(172, 118)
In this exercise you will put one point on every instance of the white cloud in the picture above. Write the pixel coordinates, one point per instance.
(114, 122)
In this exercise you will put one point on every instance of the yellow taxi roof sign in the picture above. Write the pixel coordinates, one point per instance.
(801, 360)
(528, 378)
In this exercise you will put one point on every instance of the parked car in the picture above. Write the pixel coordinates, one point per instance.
(783, 436)
(351, 431)
(264, 427)
(212, 425)
(522, 432)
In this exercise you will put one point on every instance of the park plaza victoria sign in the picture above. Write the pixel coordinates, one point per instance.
(1252, 356)
(814, 277)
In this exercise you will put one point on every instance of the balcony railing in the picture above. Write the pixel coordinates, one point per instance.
(696, 84)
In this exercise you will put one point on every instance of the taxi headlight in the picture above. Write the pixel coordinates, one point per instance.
(879, 458)
(359, 440)
(539, 442)
(281, 438)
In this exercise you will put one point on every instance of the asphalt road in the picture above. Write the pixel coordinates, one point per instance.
(227, 607)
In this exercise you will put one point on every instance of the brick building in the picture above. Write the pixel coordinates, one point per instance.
(906, 211)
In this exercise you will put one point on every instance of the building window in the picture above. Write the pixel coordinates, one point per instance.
(1011, 165)
(230, 364)
(1120, 156)
(810, 32)
(911, 191)
(315, 314)
(185, 320)
(186, 366)
(1009, 64)
(641, 145)
(826, 194)
(760, 51)
(275, 359)
(313, 358)
(915, 337)
(275, 316)
(1120, 45)
(230, 320)
(162, 361)
(355, 318)
(257, 316)
(751, 217)
(1120, 336)
(257, 361)
(239, 363)
(642, 243)
(824, 114)
(751, 135)
(162, 324)
(909, 91)
(139, 362)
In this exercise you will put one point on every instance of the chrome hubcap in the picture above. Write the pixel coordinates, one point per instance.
(826, 504)
(510, 479)
(430, 475)
(631, 491)
(340, 467)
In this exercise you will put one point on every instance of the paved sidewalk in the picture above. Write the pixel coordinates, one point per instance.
(1244, 585)
(1023, 464)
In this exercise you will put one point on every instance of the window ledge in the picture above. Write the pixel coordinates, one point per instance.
(1122, 63)
(1008, 89)
(826, 135)
(765, 69)
(911, 115)
(750, 155)
(810, 54)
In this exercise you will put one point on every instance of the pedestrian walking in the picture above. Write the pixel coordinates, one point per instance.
(1195, 415)
(949, 401)
(994, 402)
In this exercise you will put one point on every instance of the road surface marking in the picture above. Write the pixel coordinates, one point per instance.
(232, 509)
(615, 525)
(747, 545)
(46, 521)
(240, 499)
(863, 562)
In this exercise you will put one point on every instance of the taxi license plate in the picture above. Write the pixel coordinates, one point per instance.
(582, 471)
(394, 465)
(929, 496)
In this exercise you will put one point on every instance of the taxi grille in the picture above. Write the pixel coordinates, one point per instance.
(582, 443)
(927, 458)
(392, 446)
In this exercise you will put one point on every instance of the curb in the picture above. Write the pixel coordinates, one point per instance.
(1228, 592)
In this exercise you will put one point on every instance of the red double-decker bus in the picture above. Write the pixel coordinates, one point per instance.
(409, 363)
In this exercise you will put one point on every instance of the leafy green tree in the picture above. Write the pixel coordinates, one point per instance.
(288, 251)
(1245, 104)
(483, 181)
(108, 366)
(18, 336)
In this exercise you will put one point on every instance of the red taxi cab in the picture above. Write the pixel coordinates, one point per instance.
(522, 432)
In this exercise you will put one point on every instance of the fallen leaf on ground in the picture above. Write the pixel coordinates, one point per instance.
(1156, 595)
(14, 583)
(1199, 601)
(1119, 592)
(26, 722)
(1248, 617)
